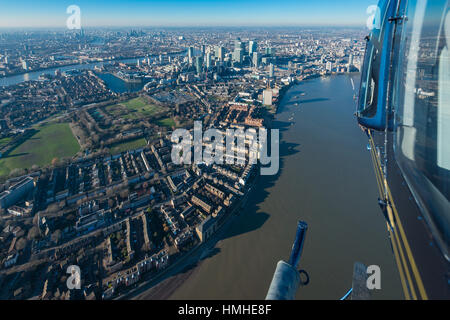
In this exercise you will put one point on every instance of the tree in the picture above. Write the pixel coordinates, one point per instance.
(124, 194)
(33, 234)
(53, 208)
(55, 162)
(17, 172)
(110, 203)
(21, 244)
(56, 236)
(35, 220)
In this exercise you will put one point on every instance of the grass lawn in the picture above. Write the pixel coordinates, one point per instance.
(4, 141)
(129, 145)
(134, 109)
(51, 140)
(167, 122)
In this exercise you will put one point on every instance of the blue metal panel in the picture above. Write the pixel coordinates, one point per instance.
(377, 121)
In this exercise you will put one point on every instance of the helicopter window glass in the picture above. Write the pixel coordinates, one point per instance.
(423, 115)
(443, 119)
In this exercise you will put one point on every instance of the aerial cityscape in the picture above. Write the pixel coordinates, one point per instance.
(89, 181)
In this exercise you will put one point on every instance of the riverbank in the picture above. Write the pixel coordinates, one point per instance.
(95, 62)
(163, 285)
(325, 179)
(34, 75)
(166, 284)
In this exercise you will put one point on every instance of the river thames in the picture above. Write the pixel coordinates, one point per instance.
(325, 179)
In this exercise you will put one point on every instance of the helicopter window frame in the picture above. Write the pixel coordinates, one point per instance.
(369, 88)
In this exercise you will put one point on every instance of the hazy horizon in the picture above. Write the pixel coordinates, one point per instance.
(180, 13)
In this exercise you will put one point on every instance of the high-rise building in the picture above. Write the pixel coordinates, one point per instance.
(220, 53)
(329, 66)
(271, 71)
(270, 51)
(267, 97)
(208, 60)
(252, 47)
(191, 53)
(199, 64)
(24, 65)
(238, 44)
(256, 59)
(238, 55)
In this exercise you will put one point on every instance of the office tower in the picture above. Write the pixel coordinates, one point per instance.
(191, 53)
(350, 60)
(220, 53)
(24, 65)
(252, 47)
(238, 55)
(6, 59)
(329, 66)
(256, 59)
(208, 60)
(203, 49)
(239, 45)
(267, 97)
(199, 64)
(270, 51)
(271, 71)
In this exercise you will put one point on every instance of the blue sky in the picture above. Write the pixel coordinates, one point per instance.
(52, 13)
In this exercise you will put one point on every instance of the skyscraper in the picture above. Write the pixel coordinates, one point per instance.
(220, 53)
(270, 51)
(238, 55)
(199, 64)
(271, 71)
(329, 66)
(238, 44)
(256, 59)
(208, 60)
(252, 47)
(267, 97)
(191, 53)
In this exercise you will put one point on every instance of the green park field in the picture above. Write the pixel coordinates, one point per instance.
(4, 141)
(167, 122)
(134, 109)
(52, 140)
(129, 145)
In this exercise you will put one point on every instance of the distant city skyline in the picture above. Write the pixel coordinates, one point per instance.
(141, 13)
